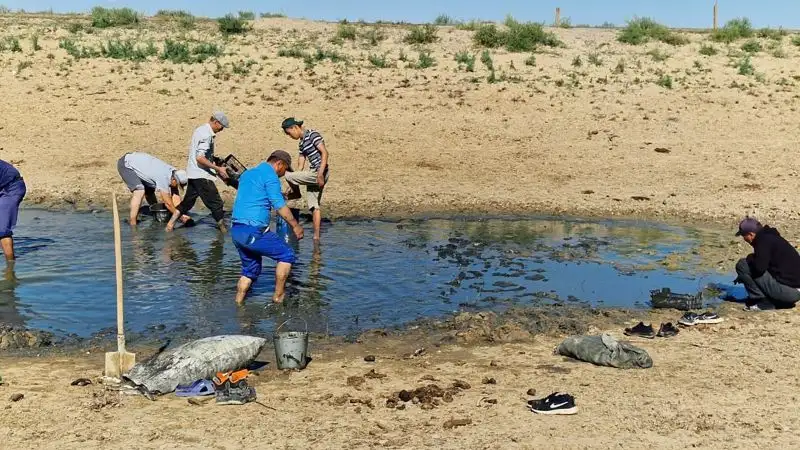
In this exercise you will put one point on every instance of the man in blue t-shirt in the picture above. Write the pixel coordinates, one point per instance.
(12, 190)
(259, 192)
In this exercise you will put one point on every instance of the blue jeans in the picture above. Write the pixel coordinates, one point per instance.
(10, 198)
(253, 243)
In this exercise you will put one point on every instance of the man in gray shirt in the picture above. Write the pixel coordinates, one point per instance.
(145, 175)
(202, 171)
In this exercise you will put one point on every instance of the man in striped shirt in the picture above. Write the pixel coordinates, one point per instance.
(312, 150)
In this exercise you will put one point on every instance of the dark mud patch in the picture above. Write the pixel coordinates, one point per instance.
(18, 338)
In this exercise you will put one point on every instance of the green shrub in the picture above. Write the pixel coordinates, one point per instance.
(665, 81)
(206, 50)
(181, 53)
(13, 44)
(113, 17)
(232, 25)
(127, 50)
(486, 59)
(402, 56)
(268, 15)
(796, 40)
(23, 65)
(184, 19)
(620, 67)
(771, 33)
(444, 20)
(374, 36)
(641, 30)
(75, 51)
(242, 67)
(425, 34)
(35, 43)
(488, 36)
(594, 59)
(530, 60)
(566, 22)
(577, 61)
(466, 59)
(346, 32)
(526, 37)
(734, 29)
(293, 52)
(247, 15)
(779, 53)
(745, 66)
(378, 61)
(472, 25)
(425, 60)
(75, 27)
(708, 50)
(751, 46)
(658, 55)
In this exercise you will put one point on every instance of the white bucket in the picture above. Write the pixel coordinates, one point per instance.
(291, 347)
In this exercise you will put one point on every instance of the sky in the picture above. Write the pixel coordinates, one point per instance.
(675, 13)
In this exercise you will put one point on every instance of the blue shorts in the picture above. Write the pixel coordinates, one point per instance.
(253, 243)
(10, 198)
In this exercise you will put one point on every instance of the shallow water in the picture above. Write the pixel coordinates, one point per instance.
(366, 274)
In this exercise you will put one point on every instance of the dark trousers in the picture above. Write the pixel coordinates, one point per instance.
(208, 193)
(766, 287)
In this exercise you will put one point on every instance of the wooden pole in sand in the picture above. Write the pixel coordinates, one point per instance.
(715, 15)
(558, 17)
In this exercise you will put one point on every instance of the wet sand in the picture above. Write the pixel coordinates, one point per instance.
(730, 385)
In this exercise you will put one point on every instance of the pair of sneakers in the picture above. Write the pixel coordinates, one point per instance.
(557, 403)
(691, 319)
(647, 331)
(231, 388)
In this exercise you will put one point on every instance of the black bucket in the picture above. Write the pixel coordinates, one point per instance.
(160, 213)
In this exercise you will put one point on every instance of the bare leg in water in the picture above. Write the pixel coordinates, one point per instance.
(8, 248)
(316, 217)
(281, 274)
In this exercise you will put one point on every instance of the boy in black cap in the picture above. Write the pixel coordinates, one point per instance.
(771, 274)
(312, 149)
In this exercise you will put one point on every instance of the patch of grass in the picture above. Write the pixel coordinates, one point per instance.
(23, 65)
(708, 50)
(658, 55)
(796, 40)
(577, 61)
(242, 67)
(379, 61)
(530, 61)
(779, 53)
(12, 44)
(771, 33)
(527, 36)
(402, 56)
(620, 67)
(594, 59)
(247, 15)
(374, 36)
(346, 32)
(114, 17)
(269, 15)
(734, 29)
(77, 52)
(472, 25)
(425, 60)
(444, 20)
(752, 46)
(644, 29)
(127, 50)
(229, 25)
(566, 22)
(35, 43)
(466, 59)
(424, 34)
(184, 19)
(745, 66)
(665, 81)
(293, 52)
(75, 27)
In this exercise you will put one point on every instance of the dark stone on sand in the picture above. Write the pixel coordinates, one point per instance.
(405, 395)
(768, 370)
(488, 380)
(491, 401)
(493, 363)
(369, 358)
(401, 407)
(17, 397)
(532, 392)
(81, 382)
(374, 375)
(452, 423)
(460, 384)
(391, 403)
(355, 381)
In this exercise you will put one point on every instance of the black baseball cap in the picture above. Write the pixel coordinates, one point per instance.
(748, 225)
(284, 157)
(290, 122)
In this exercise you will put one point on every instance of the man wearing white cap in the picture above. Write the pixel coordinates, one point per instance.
(145, 175)
(203, 172)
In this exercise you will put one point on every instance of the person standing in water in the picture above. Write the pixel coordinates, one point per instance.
(12, 191)
(259, 193)
(312, 149)
(203, 172)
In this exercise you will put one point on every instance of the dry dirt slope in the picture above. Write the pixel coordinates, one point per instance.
(558, 136)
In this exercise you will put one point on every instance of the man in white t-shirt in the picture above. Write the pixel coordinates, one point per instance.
(145, 175)
(202, 171)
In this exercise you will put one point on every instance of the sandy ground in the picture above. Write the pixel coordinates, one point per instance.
(731, 385)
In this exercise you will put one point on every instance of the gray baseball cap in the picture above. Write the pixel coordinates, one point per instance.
(220, 117)
(181, 177)
(749, 225)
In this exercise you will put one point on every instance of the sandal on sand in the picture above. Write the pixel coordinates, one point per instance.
(199, 388)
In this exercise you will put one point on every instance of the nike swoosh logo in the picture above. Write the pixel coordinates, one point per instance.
(559, 405)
